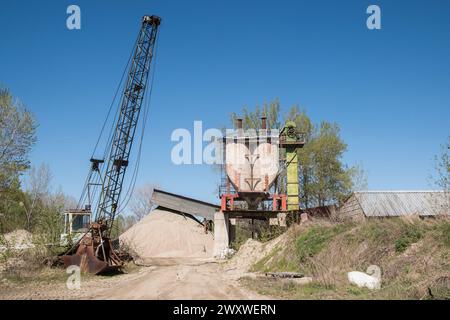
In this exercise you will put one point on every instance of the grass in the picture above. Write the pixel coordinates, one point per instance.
(36, 275)
(265, 234)
(409, 237)
(262, 265)
(315, 239)
(304, 246)
(241, 236)
(444, 232)
(413, 254)
(357, 292)
(283, 290)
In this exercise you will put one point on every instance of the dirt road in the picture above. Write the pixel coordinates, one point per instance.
(186, 280)
(164, 279)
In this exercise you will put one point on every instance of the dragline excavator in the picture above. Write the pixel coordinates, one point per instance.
(93, 250)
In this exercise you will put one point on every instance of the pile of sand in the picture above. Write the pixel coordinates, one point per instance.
(164, 234)
(16, 244)
(250, 253)
(19, 237)
(18, 240)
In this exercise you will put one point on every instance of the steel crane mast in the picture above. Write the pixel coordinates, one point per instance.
(94, 252)
(130, 108)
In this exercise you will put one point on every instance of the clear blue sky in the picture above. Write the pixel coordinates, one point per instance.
(388, 89)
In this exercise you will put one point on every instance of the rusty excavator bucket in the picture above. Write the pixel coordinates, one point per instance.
(93, 254)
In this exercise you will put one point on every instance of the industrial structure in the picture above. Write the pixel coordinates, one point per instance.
(93, 252)
(260, 169)
(260, 174)
(259, 177)
(184, 205)
(259, 182)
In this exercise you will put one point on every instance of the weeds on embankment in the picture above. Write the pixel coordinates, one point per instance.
(413, 254)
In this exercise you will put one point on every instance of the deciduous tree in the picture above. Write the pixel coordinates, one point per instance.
(324, 178)
(141, 203)
(17, 136)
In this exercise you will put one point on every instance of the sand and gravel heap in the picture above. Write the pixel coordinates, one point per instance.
(250, 253)
(17, 240)
(16, 244)
(164, 234)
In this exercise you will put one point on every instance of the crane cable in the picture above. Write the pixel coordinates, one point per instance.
(132, 184)
(146, 110)
(84, 192)
(130, 190)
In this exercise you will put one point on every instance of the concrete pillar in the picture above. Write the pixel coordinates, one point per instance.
(232, 230)
(221, 233)
(282, 219)
(303, 217)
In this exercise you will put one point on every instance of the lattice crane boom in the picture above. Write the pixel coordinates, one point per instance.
(94, 252)
(130, 108)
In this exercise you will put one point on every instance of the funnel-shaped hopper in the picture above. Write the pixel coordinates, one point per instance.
(252, 167)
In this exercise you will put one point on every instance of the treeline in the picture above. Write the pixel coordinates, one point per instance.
(26, 197)
(324, 177)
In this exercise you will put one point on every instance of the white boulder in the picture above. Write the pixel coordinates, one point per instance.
(371, 279)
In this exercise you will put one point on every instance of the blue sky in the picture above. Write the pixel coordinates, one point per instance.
(389, 89)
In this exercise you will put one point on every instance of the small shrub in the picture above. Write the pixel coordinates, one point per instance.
(242, 234)
(239, 240)
(411, 234)
(269, 232)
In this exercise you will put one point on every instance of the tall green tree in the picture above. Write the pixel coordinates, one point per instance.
(17, 136)
(38, 193)
(324, 178)
(252, 119)
(331, 180)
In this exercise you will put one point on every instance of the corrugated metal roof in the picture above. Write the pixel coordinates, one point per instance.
(184, 204)
(403, 203)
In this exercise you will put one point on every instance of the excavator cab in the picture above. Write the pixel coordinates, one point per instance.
(76, 224)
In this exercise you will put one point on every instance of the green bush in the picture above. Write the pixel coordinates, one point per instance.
(269, 232)
(411, 233)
